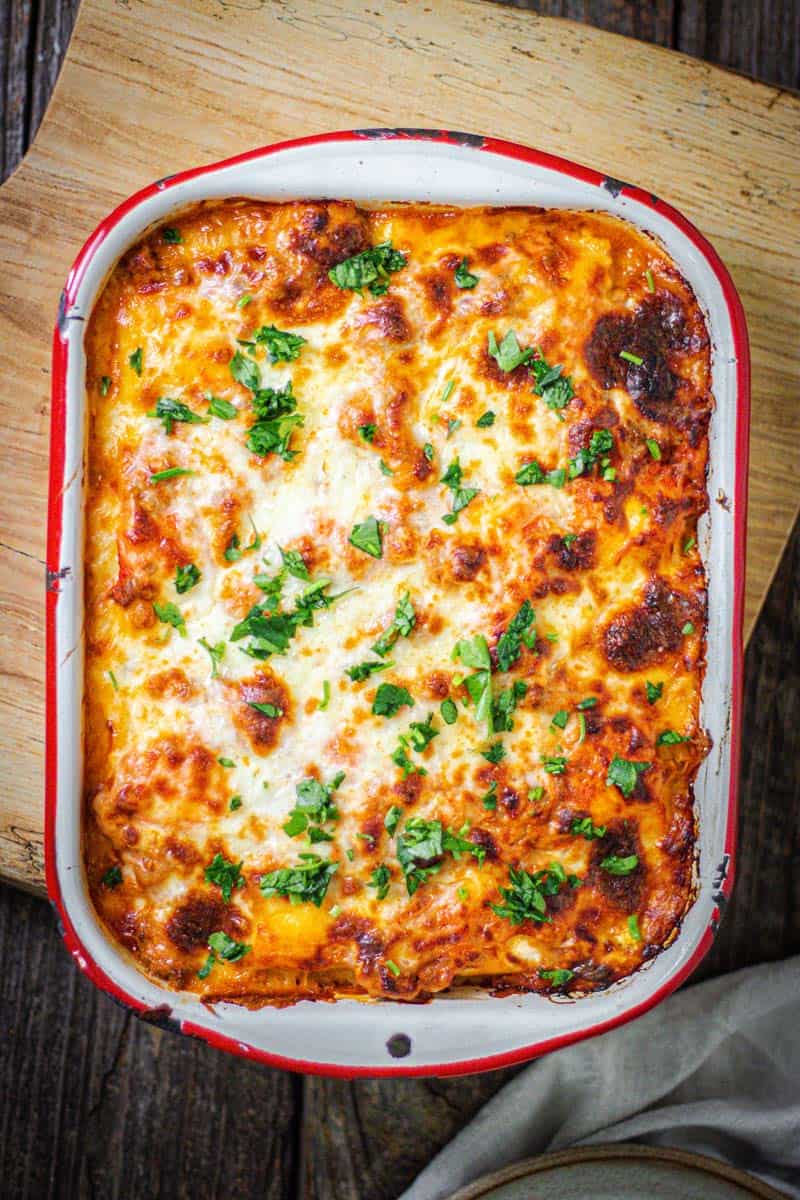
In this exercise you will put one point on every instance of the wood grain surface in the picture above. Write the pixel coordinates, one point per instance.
(96, 1105)
(149, 87)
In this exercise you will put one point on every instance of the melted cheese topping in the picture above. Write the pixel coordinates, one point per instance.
(181, 768)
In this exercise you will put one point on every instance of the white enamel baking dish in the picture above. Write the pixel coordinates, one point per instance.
(464, 1031)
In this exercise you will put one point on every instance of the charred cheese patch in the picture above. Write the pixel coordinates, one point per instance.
(393, 675)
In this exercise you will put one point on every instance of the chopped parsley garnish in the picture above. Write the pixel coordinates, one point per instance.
(112, 877)
(625, 774)
(633, 927)
(654, 448)
(234, 549)
(670, 738)
(168, 411)
(601, 444)
(529, 473)
(485, 419)
(277, 419)
(380, 879)
(105, 384)
(226, 762)
(462, 893)
(520, 629)
(370, 269)
(585, 827)
(474, 652)
(326, 695)
(314, 808)
(463, 277)
(508, 355)
(489, 799)
(421, 733)
(558, 976)
(452, 425)
(689, 545)
(135, 360)
(631, 358)
(536, 794)
(186, 577)
(216, 653)
(362, 671)
(554, 764)
(281, 346)
(589, 702)
(392, 819)
(449, 388)
(307, 881)
(526, 896)
(170, 614)
(271, 631)
(294, 563)
(170, 473)
(449, 712)
(560, 719)
(494, 753)
(687, 628)
(422, 845)
(223, 948)
(651, 283)
(244, 300)
(266, 709)
(236, 802)
(112, 677)
(226, 875)
(654, 691)
(392, 966)
(385, 470)
(171, 236)
(245, 371)
(461, 496)
(367, 537)
(568, 539)
(427, 450)
(389, 699)
(223, 409)
(368, 432)
(403, 622)
(615, 865)
(554, 387)
(504, 705)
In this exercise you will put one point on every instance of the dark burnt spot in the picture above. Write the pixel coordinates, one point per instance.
(584, 933)
(127, 799)
(594, 723)
(408, 790)
(128, 931)
(191, 925)
(439, 287)
(593, 972)
(514, 380)
(421, 468)
(361, 931)
(679, 839)
(388, 317)
(327, 243)
(183, 852)
(562, 900)
(261, 729)
(437, 685)
(621, 841)
(142, 528)
(655, 331)
(576, 554)
(256, 253)
(467, 560)
(495, 306)
(643, 634)
(481, 837)
(509, 800)
(487, 256)
(129, 587)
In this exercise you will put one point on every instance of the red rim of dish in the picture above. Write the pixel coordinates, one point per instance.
(58, 415)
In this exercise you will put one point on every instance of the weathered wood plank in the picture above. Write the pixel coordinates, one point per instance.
(759, 37)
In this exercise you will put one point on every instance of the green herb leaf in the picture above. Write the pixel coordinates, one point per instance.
(536, 794)
(520, 627)
(654, 448)
(226, 762)
(559, 976)
(236, 802)
(277, 419)
(392, 819)
(362, 671)
(112, 878)
(280, 345)
(112, 677)
(315, 807)
(631, 358)
(560, 719)
(687, 629)
(170, 614)
(380, 879)
(170, 473)
(427, 450)
(371, 269)
(633, 927)
(670, 738)
(554, 764)
(489, 799)
(403, 622)
(326, 695)
(216, 653)
(384, 469)
(529, 473)
(307, 881)
(244, 300)
(171, 236)
(367, 537)
(555, 388)
(389, 699)
(449, 712)
(589, 702)
(526, 895)
(615, 865)
(625, 774)
(508, 355)
(186, 577)
(245, 371)
(105, 384)
(504, 705)
(463, 278)
(494, 753)
(654, 691)
(651, 285)
(135, 360)
(584, 827)
(223, 409)
(392, 966)
(368, 432)
(422, 845)
(268, 710)
(485, 419)
(226, 875)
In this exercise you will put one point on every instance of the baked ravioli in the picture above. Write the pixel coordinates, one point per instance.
(395, 616)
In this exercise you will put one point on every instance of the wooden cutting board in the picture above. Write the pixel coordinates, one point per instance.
(150, 87)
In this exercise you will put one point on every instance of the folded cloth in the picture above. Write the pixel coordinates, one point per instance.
(714, 1069)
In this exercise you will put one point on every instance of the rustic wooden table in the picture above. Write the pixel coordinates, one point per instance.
(95, 1104)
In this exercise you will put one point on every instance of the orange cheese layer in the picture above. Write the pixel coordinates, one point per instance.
(182, 768)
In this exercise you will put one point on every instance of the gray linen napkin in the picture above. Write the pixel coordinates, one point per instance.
(715, 1069)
